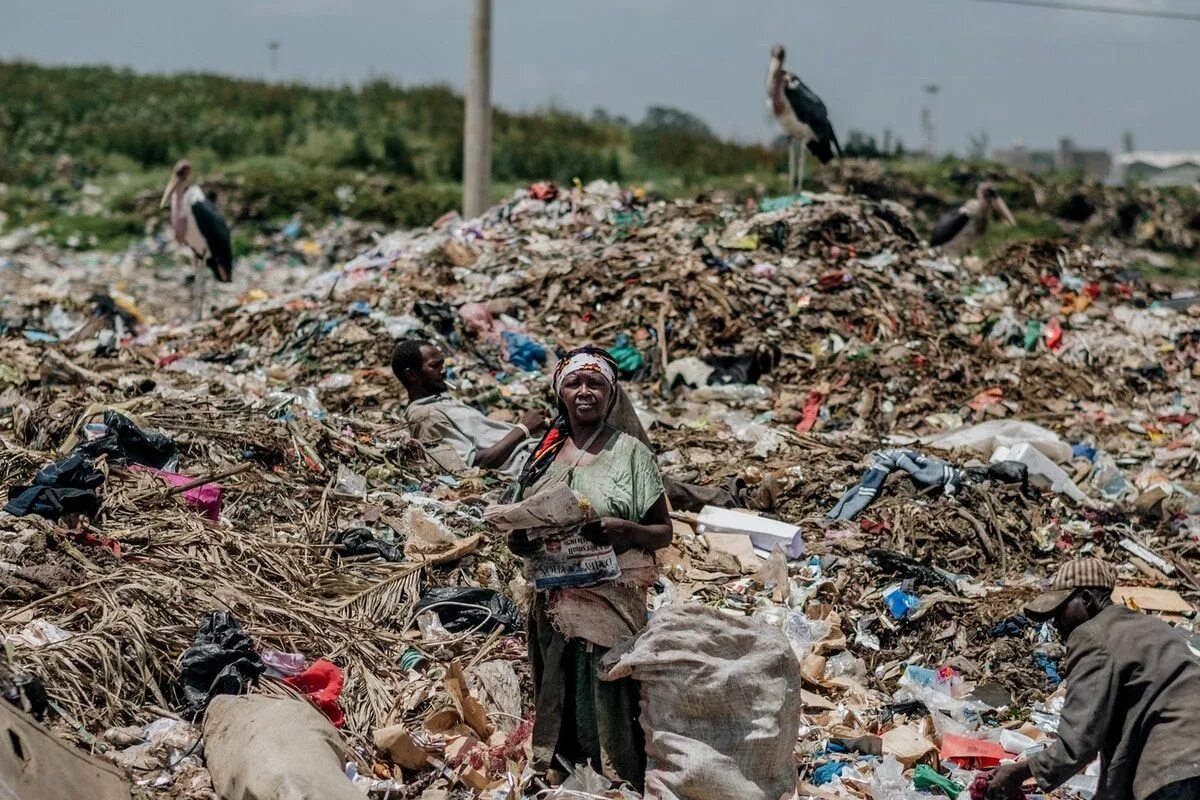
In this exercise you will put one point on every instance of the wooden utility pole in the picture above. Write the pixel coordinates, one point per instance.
(477, 134)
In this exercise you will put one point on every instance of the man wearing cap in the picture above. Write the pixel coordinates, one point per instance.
(1133, 696)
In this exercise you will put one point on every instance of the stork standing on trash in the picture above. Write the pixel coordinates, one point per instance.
(803, 118)
(956, 231)
(198, 224)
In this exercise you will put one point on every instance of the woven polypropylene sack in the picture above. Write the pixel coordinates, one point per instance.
(720, 705)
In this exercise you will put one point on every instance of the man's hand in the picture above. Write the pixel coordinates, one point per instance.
(1006, 781)
(521, 545)
(604, 530)
(535, 421)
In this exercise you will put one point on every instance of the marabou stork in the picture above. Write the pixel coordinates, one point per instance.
(803, 118)
(956, 231)
(198, 224)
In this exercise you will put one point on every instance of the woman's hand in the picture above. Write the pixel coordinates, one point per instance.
(604, 531)
(521, 545)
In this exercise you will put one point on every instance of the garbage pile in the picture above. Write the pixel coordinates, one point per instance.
(206, 520)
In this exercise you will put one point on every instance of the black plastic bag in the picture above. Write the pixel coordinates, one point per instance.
(126, 443)
(364, 542)
(894, 562)
(221, 660)
(461, 609)
(1001, 472)
(64, 487)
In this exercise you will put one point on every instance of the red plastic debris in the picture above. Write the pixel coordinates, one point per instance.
(322, 684)
(1053, 334)
(972, 753)
(988, 397)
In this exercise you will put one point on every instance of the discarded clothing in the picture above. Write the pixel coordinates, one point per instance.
(364, 542)
(126, 443)
(221, 660)
(64, 487)
(925, 470)
(1009, 627)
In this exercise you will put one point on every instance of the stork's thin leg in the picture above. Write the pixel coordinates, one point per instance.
(801, 153)
(199, 288)
(791, 165)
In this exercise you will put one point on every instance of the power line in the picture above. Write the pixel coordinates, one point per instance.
(1128, 12)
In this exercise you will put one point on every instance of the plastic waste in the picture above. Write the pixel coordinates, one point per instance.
(221, 660)
(126, 443)
(900, 603)
(732, 392)
(38, 633)
(888, 782)
(1014, 742)
(282, 665)
(1107, 479)
(802, 633)
(350, 485)
(928, 779)
(362, 541)
(322, 684)
(67, 486)
(1043, 472)
(629, 359)
(987, 437)
(461, 609)
(523, 352)
(827, 772)
(845, 664)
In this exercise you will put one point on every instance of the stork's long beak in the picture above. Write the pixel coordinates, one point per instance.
(171, 184)
(1002, 210)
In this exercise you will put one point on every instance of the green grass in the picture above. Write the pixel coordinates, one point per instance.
(1029, 226)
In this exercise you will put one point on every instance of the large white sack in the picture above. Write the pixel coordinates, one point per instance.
(720, 704)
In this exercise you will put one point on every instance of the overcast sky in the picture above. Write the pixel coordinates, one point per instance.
(1016, 72)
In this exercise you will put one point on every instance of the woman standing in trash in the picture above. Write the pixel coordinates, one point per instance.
(579, 717)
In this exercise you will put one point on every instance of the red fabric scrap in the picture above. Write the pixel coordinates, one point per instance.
(322, 684)
(812, 409)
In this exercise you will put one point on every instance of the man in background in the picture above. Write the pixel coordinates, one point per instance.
(1133, 696)
(456, 436)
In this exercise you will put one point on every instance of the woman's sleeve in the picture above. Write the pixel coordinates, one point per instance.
(647, 480)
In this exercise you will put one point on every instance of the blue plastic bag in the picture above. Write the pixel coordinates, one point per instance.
(523, 352)
(900, 603)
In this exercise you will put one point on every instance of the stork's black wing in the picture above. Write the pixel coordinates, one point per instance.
(216, 233)
(810, 110)
(949, 226)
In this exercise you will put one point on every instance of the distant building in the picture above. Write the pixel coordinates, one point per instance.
(1092, 164)
(1158, 169)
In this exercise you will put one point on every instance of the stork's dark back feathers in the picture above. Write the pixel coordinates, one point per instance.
(810, 110)
(216, 233)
